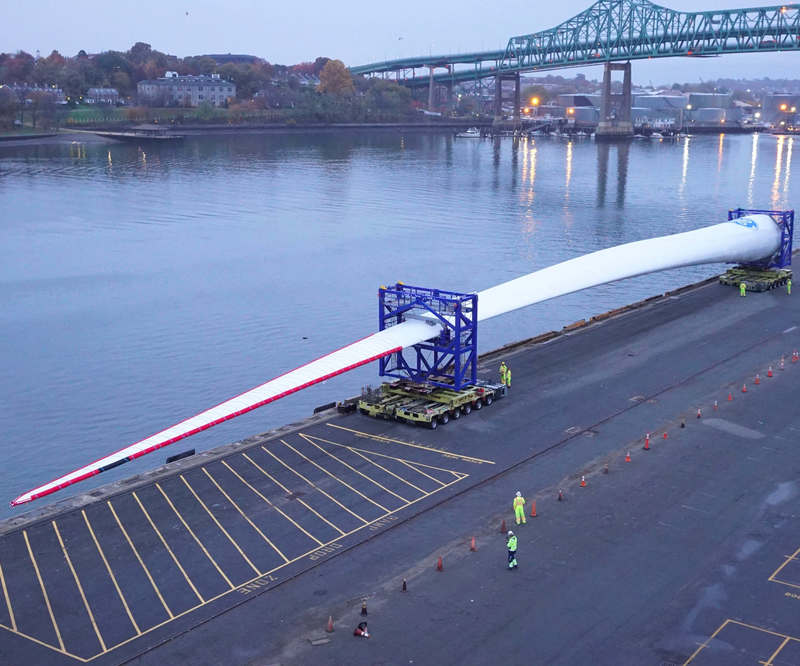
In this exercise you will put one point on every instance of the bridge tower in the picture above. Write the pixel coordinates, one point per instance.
(615, 110)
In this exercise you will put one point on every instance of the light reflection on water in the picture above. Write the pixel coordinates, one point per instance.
(140, 286)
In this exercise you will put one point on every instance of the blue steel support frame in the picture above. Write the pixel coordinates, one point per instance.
(449, 360)
(785, 220)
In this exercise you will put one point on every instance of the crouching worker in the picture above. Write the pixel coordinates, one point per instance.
(361, 630)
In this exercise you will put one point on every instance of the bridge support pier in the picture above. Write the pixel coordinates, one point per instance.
(498, 97)
(615, 110)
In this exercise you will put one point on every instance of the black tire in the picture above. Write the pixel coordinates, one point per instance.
(444, 418)
(478, 404)
(466, 409)
(455, 414)
(488, 400)
(434, 423)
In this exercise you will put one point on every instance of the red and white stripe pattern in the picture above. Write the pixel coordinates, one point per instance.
(361, 352)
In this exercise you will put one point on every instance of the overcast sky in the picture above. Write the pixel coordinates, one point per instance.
(355, 31)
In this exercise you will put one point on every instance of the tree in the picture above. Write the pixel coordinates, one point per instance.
(43, 108)
(335, 79)
(8, 107)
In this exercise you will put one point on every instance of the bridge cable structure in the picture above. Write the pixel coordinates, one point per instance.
(748, 239)
(613, 31)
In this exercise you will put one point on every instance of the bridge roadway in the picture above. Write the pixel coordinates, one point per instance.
(240, 556)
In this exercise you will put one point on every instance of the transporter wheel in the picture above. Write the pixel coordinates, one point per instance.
(434, 423)
(466, 409)
(489, 399)
(444, 418)
(456, 414)
(478, 404)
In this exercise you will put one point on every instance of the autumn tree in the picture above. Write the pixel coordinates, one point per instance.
(335, 79)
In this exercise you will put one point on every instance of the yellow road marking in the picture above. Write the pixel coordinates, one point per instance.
(792, 557)
(8, 600)
(310, 483)
(333, 476)
(254, 526)
(214, 518)
(350, 467)
(166, 545)
(80, 587)
(194, 536)
(110, 572)
(282, 487)
(47, 645)
(138, 557)
(415, 446)
(706, 642)
(280, 511)
(44, 592)
(419, 471)
(768, 662)
(221, 594)
(361, 452)
(766, 631)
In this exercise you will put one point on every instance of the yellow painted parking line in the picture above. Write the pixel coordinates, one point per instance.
(380, 438)
(310, 483)
(793, 556)
(44, 592)
(80, 587)
(282, 487)
(110, 572)
(768, 662)
(278, 509)
(419, 471)
(169, 550)
(706, 642)
(350, 467)
(8, 600)
(214, 518)
(252, 524)
(333, 476)
(361, 452)
(194, 536)
(33, 639)
(761, 629)
(138, 557)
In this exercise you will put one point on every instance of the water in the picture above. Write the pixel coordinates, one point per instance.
(138, 288)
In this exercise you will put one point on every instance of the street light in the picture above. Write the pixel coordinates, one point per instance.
(783, 106)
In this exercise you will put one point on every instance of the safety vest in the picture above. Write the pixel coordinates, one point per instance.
(519, 501)
(508, 376)
(512, 543)
(503, 371)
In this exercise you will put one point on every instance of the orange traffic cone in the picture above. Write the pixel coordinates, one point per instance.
(503, 529)
(560, 495)
(329, 628)
(583, 482)
(665, 434)
(730, 396)
(533, 509)
(795, 356)
(646, 446)
(628, 456)
(758, 379)
(769, 371)
(439, 564)
(744, 388)
(472, 545)
(716, 406)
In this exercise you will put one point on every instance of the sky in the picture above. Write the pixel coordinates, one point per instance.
(354, 31)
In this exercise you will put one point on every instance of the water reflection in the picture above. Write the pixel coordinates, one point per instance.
(684, 167)
(778, 163)
(753, 162)
(623, 153)
(720, 150)
(788, 168)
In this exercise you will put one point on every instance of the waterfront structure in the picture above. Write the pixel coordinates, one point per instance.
(173, 89)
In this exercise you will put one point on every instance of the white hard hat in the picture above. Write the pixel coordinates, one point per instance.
(519, 494)
(510, 533)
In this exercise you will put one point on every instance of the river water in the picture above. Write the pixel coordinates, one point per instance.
(140, 287)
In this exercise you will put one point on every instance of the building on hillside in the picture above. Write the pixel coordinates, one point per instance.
(102, 96)
(24, 91)
(780, 107)
(175, 90)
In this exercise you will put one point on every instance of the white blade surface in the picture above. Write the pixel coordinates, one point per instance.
(744, 240)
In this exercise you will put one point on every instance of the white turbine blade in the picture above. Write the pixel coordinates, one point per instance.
(746, 239)
(371, 348)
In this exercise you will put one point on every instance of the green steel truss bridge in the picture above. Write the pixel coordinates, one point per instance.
(613, 31)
